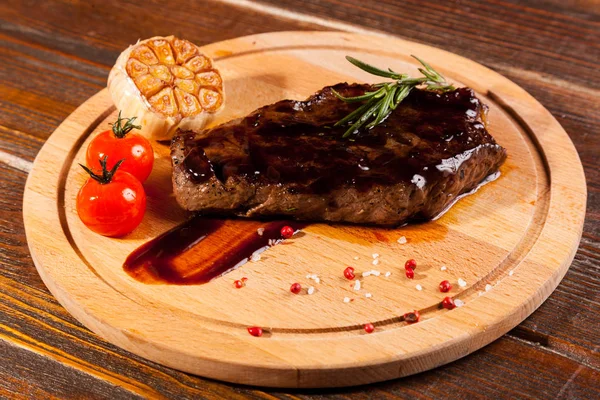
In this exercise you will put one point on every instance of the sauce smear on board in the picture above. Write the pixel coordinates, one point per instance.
(201, 249)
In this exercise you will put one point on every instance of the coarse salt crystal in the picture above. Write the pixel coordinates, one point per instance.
(375, 261)
(366, 273)
(419, 287)
(459, 302)
(387, 274)
(375, 272)
(462, 282)
(310, 290)
(511, 272)
(346, 299)
(443, 268)
(402, 240)
(488, 287)
(308, 276)
(255, 257)
(317, 280)
(356, 258)
(368, 295)
(357, 285)
(375, 255)
(260, 231)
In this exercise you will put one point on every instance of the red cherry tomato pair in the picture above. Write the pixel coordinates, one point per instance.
(113, 202)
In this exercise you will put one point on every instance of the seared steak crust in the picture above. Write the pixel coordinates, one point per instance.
(287, 159)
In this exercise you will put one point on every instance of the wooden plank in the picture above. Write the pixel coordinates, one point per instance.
(81, 31)
(20, 370)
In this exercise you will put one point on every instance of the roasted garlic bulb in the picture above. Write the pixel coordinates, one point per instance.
(166, 83)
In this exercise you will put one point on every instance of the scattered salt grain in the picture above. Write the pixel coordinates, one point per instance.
(375, 261)
(419, 287)
(443, 268)
(260, 231)
(357, 285)
(374, 272)
(462, 282)
(310, 290)
(308, 276)
(387, 274)
(356, 258)
(346, 299)
(459, 303)
(368, 295)
(375, 255)
(488, 287)
(366, 273)
(255, 257)
(317, 280)
(511, 272)
(402, 240)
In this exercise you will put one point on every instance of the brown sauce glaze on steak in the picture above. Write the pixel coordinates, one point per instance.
(287, 159)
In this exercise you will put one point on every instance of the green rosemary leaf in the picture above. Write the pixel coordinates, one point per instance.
(443, 88)
(355, 99)
(423, 63)
(371, 69)
(412, 81)
(401, 94)
(356, 113)
(361, 121)
(432, 77)
(384, 110)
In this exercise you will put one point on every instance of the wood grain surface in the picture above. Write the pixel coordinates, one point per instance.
(56, 54)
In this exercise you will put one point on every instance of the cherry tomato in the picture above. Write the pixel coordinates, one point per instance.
(119, 144)
(113, 203)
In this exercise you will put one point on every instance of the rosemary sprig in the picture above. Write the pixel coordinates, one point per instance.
(380, 103)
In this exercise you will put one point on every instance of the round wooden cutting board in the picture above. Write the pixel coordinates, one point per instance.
(511, 242)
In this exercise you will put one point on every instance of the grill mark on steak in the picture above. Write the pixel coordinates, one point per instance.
(287, 159)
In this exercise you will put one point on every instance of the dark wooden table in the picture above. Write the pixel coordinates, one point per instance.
(56, 54)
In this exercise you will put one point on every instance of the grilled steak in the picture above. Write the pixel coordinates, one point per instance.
(286, 159)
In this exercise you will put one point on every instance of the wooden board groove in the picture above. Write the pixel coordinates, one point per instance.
(547, 214)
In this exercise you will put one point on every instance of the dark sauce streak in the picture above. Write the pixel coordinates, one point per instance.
(201, 249)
